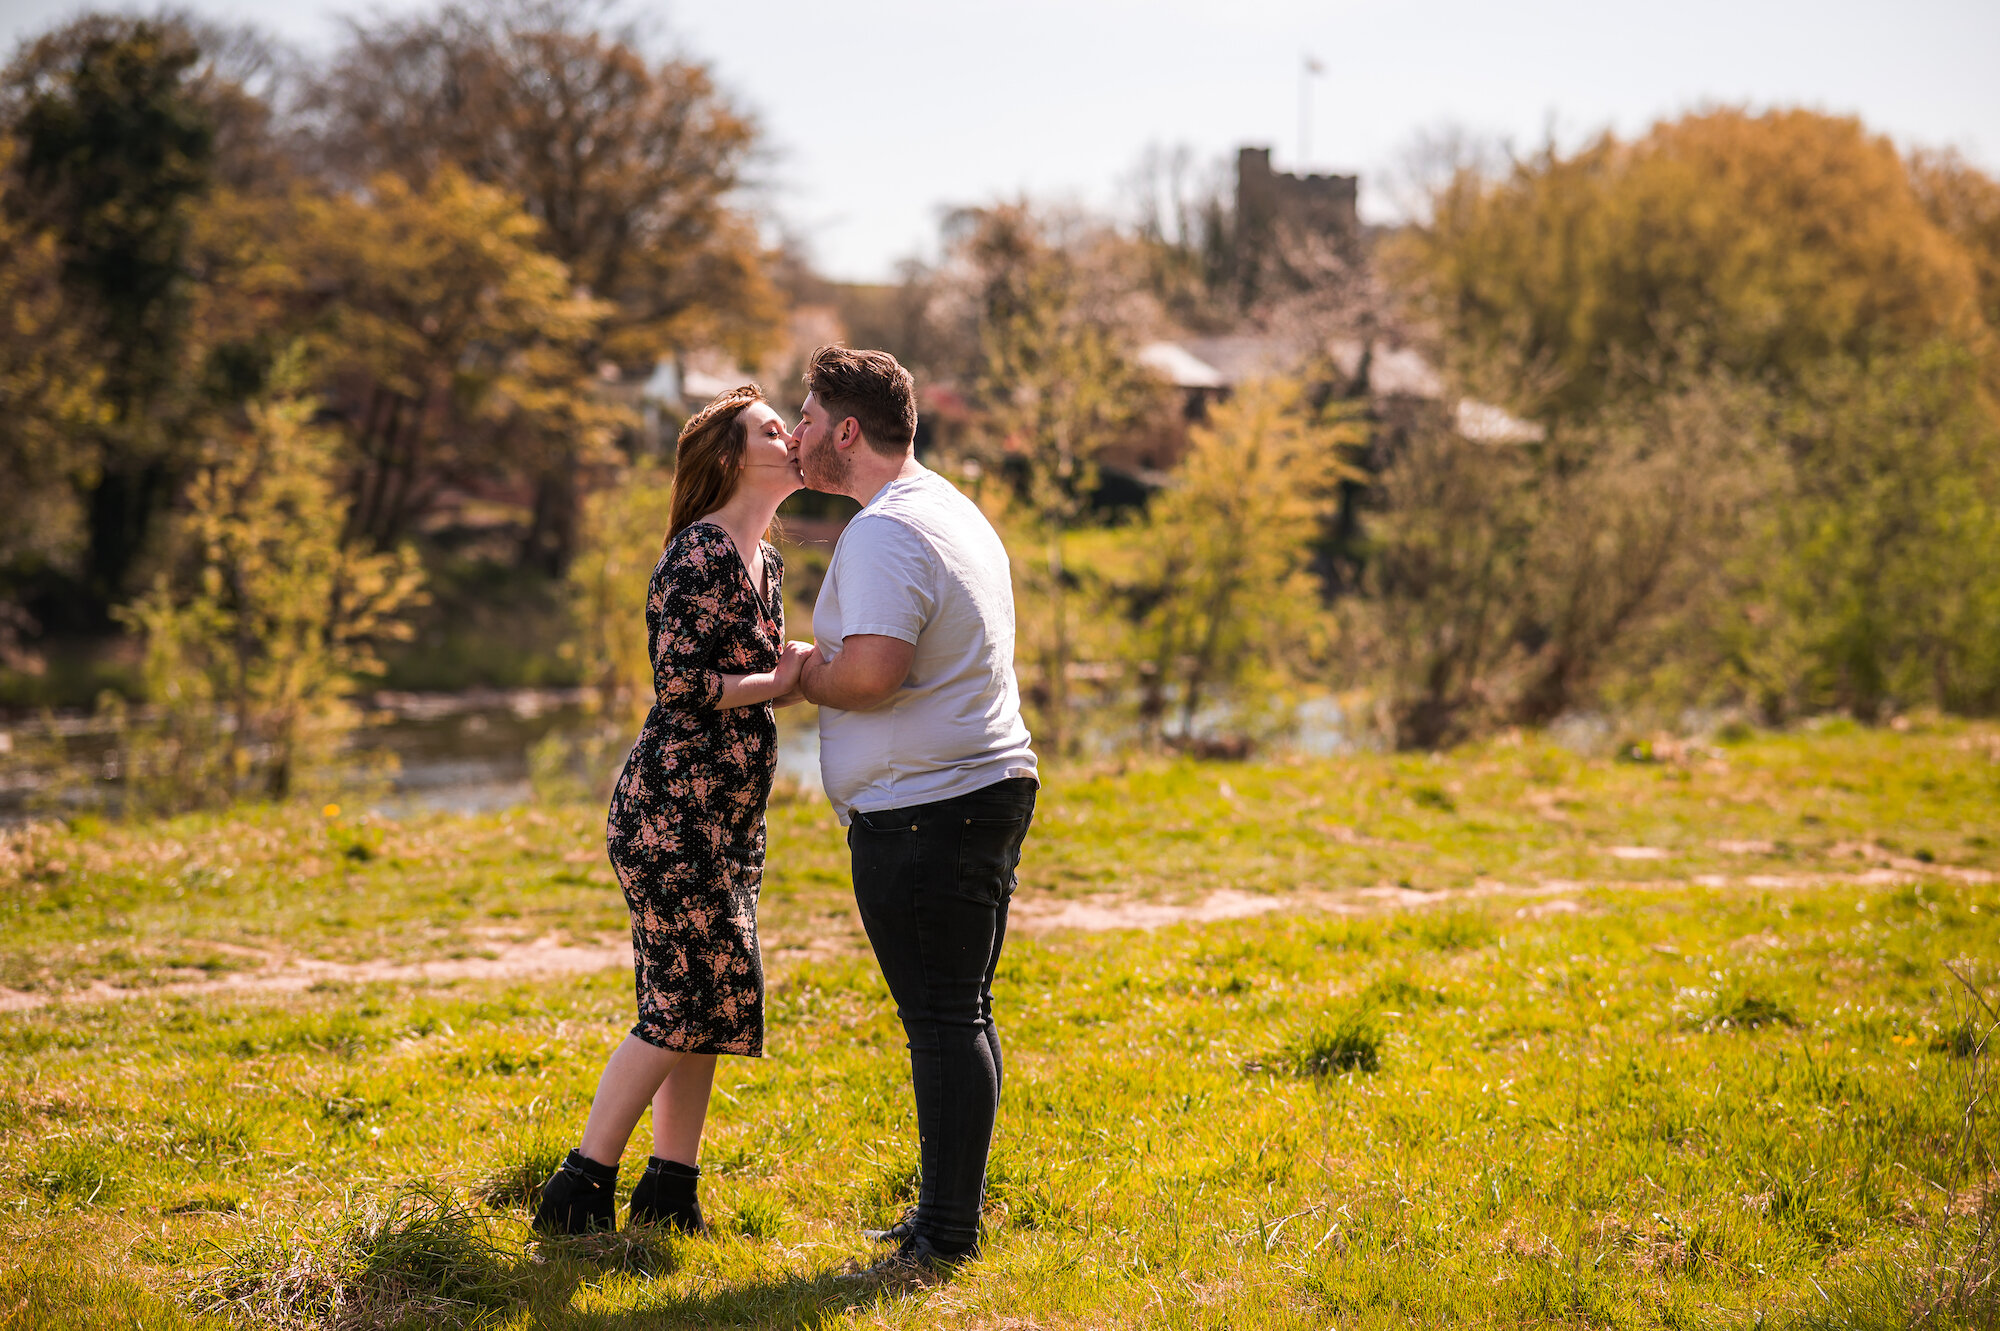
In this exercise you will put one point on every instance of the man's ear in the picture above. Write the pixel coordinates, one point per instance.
(847, 433)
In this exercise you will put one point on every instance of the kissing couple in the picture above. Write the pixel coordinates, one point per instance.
(923, 754)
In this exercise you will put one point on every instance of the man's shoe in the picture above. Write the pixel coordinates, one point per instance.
(665, 1195)
(915, 1262)
(895, 1233)
(580, 1196)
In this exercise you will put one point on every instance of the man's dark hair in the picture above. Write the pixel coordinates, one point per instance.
(873, 388)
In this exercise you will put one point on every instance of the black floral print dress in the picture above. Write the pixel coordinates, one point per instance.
(686, 827)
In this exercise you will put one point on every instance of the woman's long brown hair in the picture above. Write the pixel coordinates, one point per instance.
(708, 458)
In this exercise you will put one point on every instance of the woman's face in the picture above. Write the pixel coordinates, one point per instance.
(768, 458)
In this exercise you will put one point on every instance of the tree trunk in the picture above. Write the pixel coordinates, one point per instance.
(119, 513)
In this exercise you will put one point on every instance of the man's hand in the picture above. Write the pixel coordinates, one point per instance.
(866, 674)
(790, 672)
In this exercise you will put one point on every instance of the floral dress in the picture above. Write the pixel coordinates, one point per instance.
(686, 826)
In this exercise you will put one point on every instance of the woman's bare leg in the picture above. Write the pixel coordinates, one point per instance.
(680, 1107)
(635, 1072)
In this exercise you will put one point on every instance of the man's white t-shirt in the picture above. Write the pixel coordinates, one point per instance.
(921, 563)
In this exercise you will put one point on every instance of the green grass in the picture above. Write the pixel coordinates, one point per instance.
(1713, 1087)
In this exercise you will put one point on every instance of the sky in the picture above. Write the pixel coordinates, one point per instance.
(879, 114)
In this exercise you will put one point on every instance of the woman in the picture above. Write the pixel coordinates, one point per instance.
(686, 826)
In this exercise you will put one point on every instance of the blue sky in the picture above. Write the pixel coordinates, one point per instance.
(879, 114)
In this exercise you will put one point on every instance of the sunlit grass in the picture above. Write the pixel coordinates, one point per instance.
(1669, 1104)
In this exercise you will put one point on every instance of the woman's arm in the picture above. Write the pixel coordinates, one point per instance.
(748, 690)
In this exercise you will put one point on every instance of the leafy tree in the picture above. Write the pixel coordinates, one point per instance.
(1764, 349)
(624, 525)
(50, 414)
(1872, 579)
(1057, 384)
(630, 165)
(1512, 583)
(116, 148)
(1753, 245)
(447, 339)
(1448, 549)
(1229, 608)
(1965, 204)
(253, 646)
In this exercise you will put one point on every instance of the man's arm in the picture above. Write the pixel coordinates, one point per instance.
(869, 669)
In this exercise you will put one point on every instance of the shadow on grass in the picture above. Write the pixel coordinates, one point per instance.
(422, 1258)
(795, 1301)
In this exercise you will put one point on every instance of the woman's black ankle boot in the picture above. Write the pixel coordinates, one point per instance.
(581, 1195)
(665, 1196)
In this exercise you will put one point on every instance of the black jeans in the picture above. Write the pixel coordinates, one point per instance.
(933, 882)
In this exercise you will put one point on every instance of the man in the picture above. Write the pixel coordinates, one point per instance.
(926, 760)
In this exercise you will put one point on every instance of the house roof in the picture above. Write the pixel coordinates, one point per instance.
(1179, 366)
(1224, 362)
(1484, 423)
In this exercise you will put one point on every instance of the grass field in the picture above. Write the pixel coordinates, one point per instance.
(1529, 1039)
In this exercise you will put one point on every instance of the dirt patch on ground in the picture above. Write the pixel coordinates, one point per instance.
(1032, 913)
(1098, 913)
(544, 956)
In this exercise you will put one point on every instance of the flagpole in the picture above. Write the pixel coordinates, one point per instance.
(1305, 114)
(1309, 69)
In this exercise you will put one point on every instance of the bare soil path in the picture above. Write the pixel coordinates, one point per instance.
(1033, 912)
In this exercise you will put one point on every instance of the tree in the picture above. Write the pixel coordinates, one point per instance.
(624, 525)
(50, 416)
(631, 166)
(1446, 553)
(1872, 579)
(1965, 204)
(447, 340)
(1057, 384)
(1763, 347)
(116, 147)
(1757, 246)
(254, 645)
(1514, 582)
(1228, 605)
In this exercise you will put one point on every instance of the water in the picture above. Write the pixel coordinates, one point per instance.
(464, 752)
(470, 752)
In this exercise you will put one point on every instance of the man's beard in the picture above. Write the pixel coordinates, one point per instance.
(825, 468)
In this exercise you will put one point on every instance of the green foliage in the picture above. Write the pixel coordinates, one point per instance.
(1871, 582)
(252, 653)
(117, 148)
(1761, 347)
(465, 251)
(116, 136)
(623, 527)
(1056, 379)
(630, 164)
(454, 341)
(1756, 246)
(48, 382)
(1228, 611)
